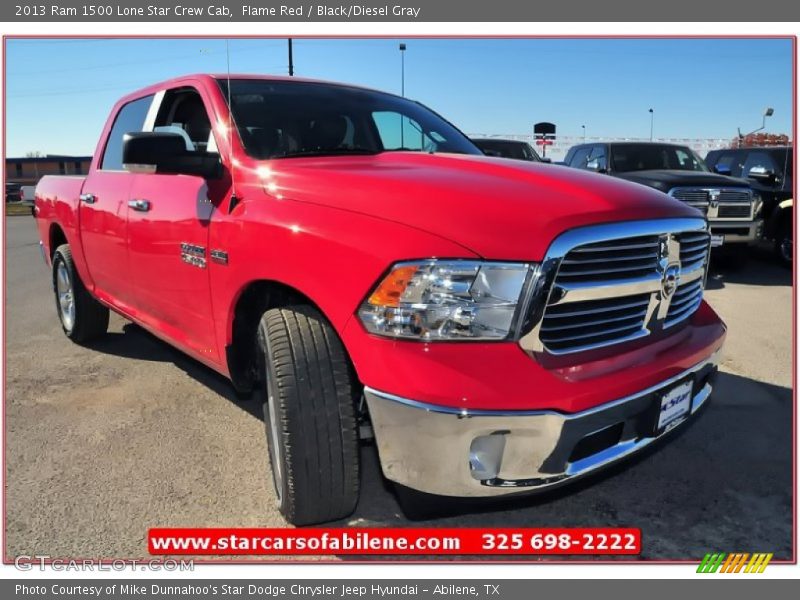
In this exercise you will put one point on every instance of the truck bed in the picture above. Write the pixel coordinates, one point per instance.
(56, 201)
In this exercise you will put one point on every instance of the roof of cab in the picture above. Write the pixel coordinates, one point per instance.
(211, 78)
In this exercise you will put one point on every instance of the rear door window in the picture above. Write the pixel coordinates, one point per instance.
(130, 118)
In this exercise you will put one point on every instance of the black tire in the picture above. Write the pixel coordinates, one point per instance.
(733, 256)
(784, 244)
(421, 506)
(310, 396)
(88, 318)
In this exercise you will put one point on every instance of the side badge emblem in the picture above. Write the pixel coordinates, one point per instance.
(219, 256)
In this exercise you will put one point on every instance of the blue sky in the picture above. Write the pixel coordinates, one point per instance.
(60, 91)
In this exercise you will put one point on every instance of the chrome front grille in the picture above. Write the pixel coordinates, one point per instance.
(610, 260)
(693, 249)
(685, 301)
(574, 324)
(717, 203)
(614, 283)
(695, 198)
(734, 211)
(734, 196)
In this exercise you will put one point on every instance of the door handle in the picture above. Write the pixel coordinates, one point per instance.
(140, 205)
(88, 198)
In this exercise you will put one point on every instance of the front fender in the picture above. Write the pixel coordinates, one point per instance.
(332, 256)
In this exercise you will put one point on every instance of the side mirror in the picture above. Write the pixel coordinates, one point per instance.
(721, 169)
(594, 165)
(166, 153)
(761, 174)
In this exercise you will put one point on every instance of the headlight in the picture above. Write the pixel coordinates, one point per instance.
(758, 204)
(449, 300)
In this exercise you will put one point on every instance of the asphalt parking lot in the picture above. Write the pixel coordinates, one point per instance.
(104, 442)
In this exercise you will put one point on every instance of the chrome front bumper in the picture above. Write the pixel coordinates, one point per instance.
(738, 232)
(444, 451)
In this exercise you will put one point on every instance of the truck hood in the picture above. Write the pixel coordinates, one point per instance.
(497, 208)
(666, 179)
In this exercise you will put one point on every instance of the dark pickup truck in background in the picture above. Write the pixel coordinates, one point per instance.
(731, 206)
(770, 172)
(515, 149)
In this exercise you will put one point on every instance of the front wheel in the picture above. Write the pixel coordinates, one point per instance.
(82, 317)
(784, 245)
(310, 419)
(421, 506)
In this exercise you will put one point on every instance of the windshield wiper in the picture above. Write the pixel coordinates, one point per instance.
(326, 152)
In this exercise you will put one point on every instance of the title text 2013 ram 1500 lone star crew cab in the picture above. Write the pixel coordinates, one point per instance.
(501, 326)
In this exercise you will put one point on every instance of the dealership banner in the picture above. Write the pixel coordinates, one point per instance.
(395, 541)
(385, 589)
(400, 11)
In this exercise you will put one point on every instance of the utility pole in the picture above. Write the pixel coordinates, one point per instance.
(651, 124)
(768, 112)
(291, 60)
(402, 89)
(403, 70)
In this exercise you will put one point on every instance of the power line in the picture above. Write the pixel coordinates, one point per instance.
(130, 63)
(88, 91)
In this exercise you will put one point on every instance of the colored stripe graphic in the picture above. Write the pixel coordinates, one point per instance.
(711, 562)
(736, 562)
(758, 563)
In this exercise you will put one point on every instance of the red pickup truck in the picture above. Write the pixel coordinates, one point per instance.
(499, 327)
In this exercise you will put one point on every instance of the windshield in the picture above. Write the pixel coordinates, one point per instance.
(644, 157)
(284, 119)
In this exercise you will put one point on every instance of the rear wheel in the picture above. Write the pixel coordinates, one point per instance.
(82, 317)
(309, 415)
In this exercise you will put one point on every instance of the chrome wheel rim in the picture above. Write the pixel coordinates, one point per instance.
(65, 296)
(275, 448)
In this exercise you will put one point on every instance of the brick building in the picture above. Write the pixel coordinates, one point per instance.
(28, 171)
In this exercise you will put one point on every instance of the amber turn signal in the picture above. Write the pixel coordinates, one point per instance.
(391, 289)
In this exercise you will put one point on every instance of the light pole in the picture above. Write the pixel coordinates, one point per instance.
(291, 59)
(402, 88)
(768, 112)
(584, 133)
(403, 70)
(651, 124)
